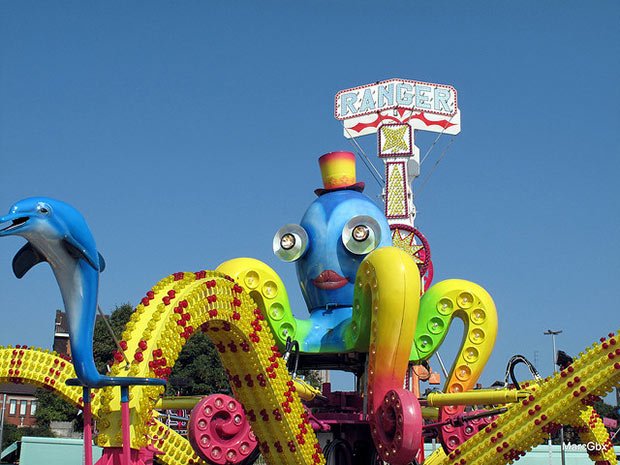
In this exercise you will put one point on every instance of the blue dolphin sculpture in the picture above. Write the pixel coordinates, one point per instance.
(58, 234)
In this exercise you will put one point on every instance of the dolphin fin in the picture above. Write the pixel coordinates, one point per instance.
(77, 252)
(27, 257)
(101, 263)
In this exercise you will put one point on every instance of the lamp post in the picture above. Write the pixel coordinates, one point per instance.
(2, 420)
(553, 334)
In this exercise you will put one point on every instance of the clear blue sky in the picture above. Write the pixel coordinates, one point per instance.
(188, 133)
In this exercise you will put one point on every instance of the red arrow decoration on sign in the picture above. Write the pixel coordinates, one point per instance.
(444, 123)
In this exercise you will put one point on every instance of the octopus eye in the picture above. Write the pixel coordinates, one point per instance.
(287, 242)
(361, 235)
(290, 242)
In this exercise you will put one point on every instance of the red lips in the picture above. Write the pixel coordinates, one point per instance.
(329, 280)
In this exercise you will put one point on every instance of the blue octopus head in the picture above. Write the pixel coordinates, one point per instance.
(337, 231)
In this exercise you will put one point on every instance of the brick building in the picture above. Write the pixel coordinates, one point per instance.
(20, 404)
(61, 334)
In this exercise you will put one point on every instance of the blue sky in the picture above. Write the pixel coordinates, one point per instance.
(188, 133)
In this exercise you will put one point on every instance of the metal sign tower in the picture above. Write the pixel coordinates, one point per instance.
(394, 109)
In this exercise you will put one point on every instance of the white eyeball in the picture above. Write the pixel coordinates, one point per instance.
(361, 235)
(290, 242)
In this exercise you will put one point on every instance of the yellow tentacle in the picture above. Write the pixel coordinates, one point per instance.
(593, 435)
(42, 369)
(527, 424)
(210, 301)
(269, 292)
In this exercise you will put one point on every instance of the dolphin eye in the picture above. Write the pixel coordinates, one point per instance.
(43, 208)
(290, 242)
(361, 235)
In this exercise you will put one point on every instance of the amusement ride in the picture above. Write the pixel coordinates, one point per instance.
(365, 274)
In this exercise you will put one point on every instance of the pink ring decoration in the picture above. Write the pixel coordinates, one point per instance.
(219, 431)
(397, 427)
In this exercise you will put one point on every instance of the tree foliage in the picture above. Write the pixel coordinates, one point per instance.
(606, 410)
(198, 370)
(12, 433)
(51, 407)
(312, 377)
(103, 343)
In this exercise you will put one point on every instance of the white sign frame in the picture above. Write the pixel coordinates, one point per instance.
(419, 96)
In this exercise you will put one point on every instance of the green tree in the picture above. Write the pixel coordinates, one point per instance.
(198, 370)
(312, 377)
(609, 411)
(10, 434)
(606, 410)
(13, 434)
(52, 407)
(103, 343)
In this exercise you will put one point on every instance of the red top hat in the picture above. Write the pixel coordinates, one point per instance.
(338, 173)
